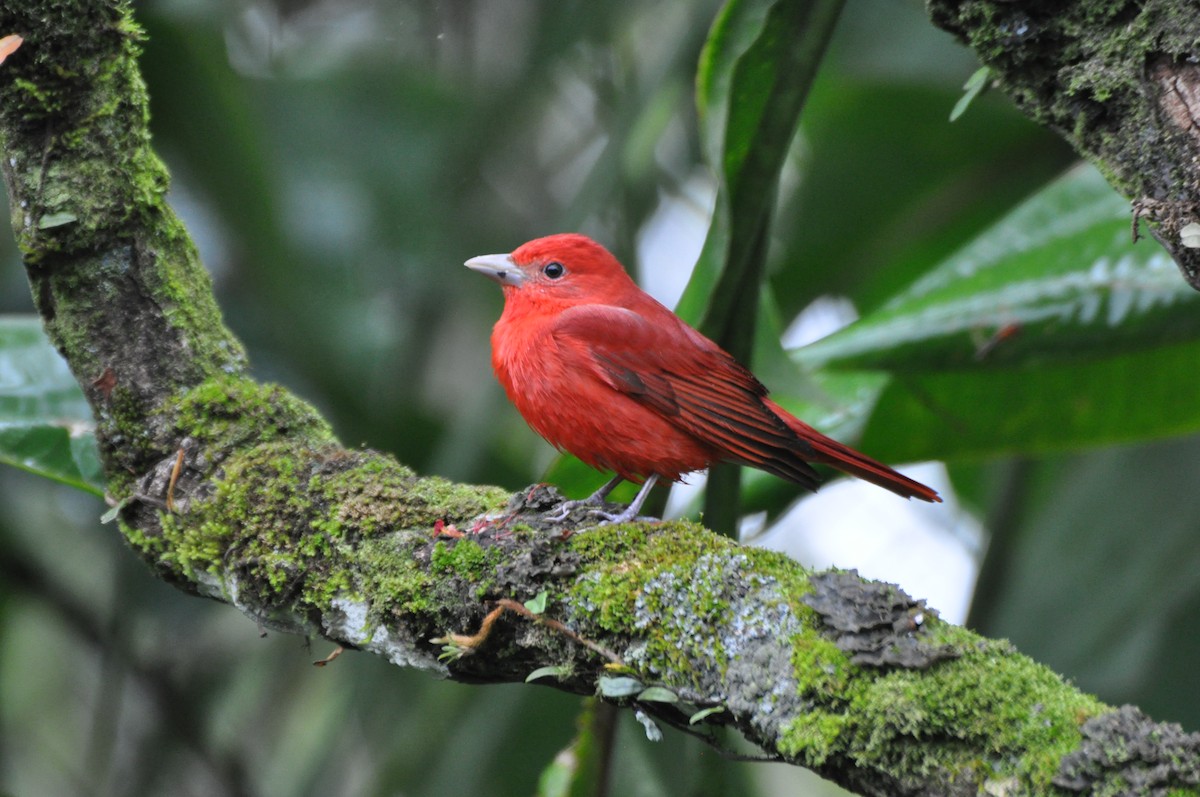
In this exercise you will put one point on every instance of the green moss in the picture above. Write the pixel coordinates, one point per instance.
(909, 721)
(463, 557)
(825, 671)
(292, 522)
(225, 412)
(626, 557)
(813, 736)
(397, 583)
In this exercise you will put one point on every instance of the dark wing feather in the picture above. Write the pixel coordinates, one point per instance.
(688, 379)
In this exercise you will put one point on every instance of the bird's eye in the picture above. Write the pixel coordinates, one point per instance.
(554, 270)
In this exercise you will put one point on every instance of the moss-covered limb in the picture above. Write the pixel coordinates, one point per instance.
(1117, 80)
(115, 277)
(850, 678)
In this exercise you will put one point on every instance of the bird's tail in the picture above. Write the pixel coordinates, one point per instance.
(847, 460)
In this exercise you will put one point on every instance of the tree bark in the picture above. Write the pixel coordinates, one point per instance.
(1119, 80)
(240, 492)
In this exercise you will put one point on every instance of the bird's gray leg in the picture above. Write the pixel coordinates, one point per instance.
(630, 512)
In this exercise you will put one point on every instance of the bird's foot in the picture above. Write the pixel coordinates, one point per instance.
(596, 499)
(567, 507)
(626, 515)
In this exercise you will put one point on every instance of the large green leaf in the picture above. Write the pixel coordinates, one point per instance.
(1059, 279)
(45, 423)
(755, 73)
(1052, 331)
(1037, 409)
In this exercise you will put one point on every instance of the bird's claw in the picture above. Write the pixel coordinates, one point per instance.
(565, 509)
(627, 515)
(594, 510)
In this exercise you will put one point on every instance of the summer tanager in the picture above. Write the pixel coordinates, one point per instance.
(602, 370)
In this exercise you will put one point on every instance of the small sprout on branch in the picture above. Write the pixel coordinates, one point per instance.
(704, 713)
(115, 508)
(455, 646)
(619, 686)
(658, 694)
(458, 645)
(559, 671)
(537, 605)
(974, 86)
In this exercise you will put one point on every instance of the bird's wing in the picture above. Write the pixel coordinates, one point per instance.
(669, 367)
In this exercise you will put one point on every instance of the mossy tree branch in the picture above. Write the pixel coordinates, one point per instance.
(240, 492)
(1120, 81)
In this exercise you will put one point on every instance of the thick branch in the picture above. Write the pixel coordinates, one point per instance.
(240, 492)
(1118, 80)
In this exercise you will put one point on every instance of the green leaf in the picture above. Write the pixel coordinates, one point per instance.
(877, 204)
(1052, 331)
(554, 670)
(45, 423)
(755, 72)
(576, 768)
(115, 510)
(1037, 410)
(619, 686)
(703, 713)
(975, 85)
(658, 694)
(51, 220)
(1059, 279)
(537, 605)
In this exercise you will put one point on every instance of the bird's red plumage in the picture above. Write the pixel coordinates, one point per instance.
(602, 370)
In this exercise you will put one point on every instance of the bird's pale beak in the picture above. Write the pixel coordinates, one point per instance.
(501, 268)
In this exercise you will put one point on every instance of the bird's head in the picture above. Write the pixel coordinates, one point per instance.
(563, 269)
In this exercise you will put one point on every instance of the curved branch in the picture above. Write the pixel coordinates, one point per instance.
(1118, 80)
(240, 492)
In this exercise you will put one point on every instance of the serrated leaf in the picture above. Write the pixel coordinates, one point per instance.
(45, 423)
(1059, 279)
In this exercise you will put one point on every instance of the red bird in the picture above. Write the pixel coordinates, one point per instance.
(600, 369)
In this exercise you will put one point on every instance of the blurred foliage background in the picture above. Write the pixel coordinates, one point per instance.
(337, 160)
